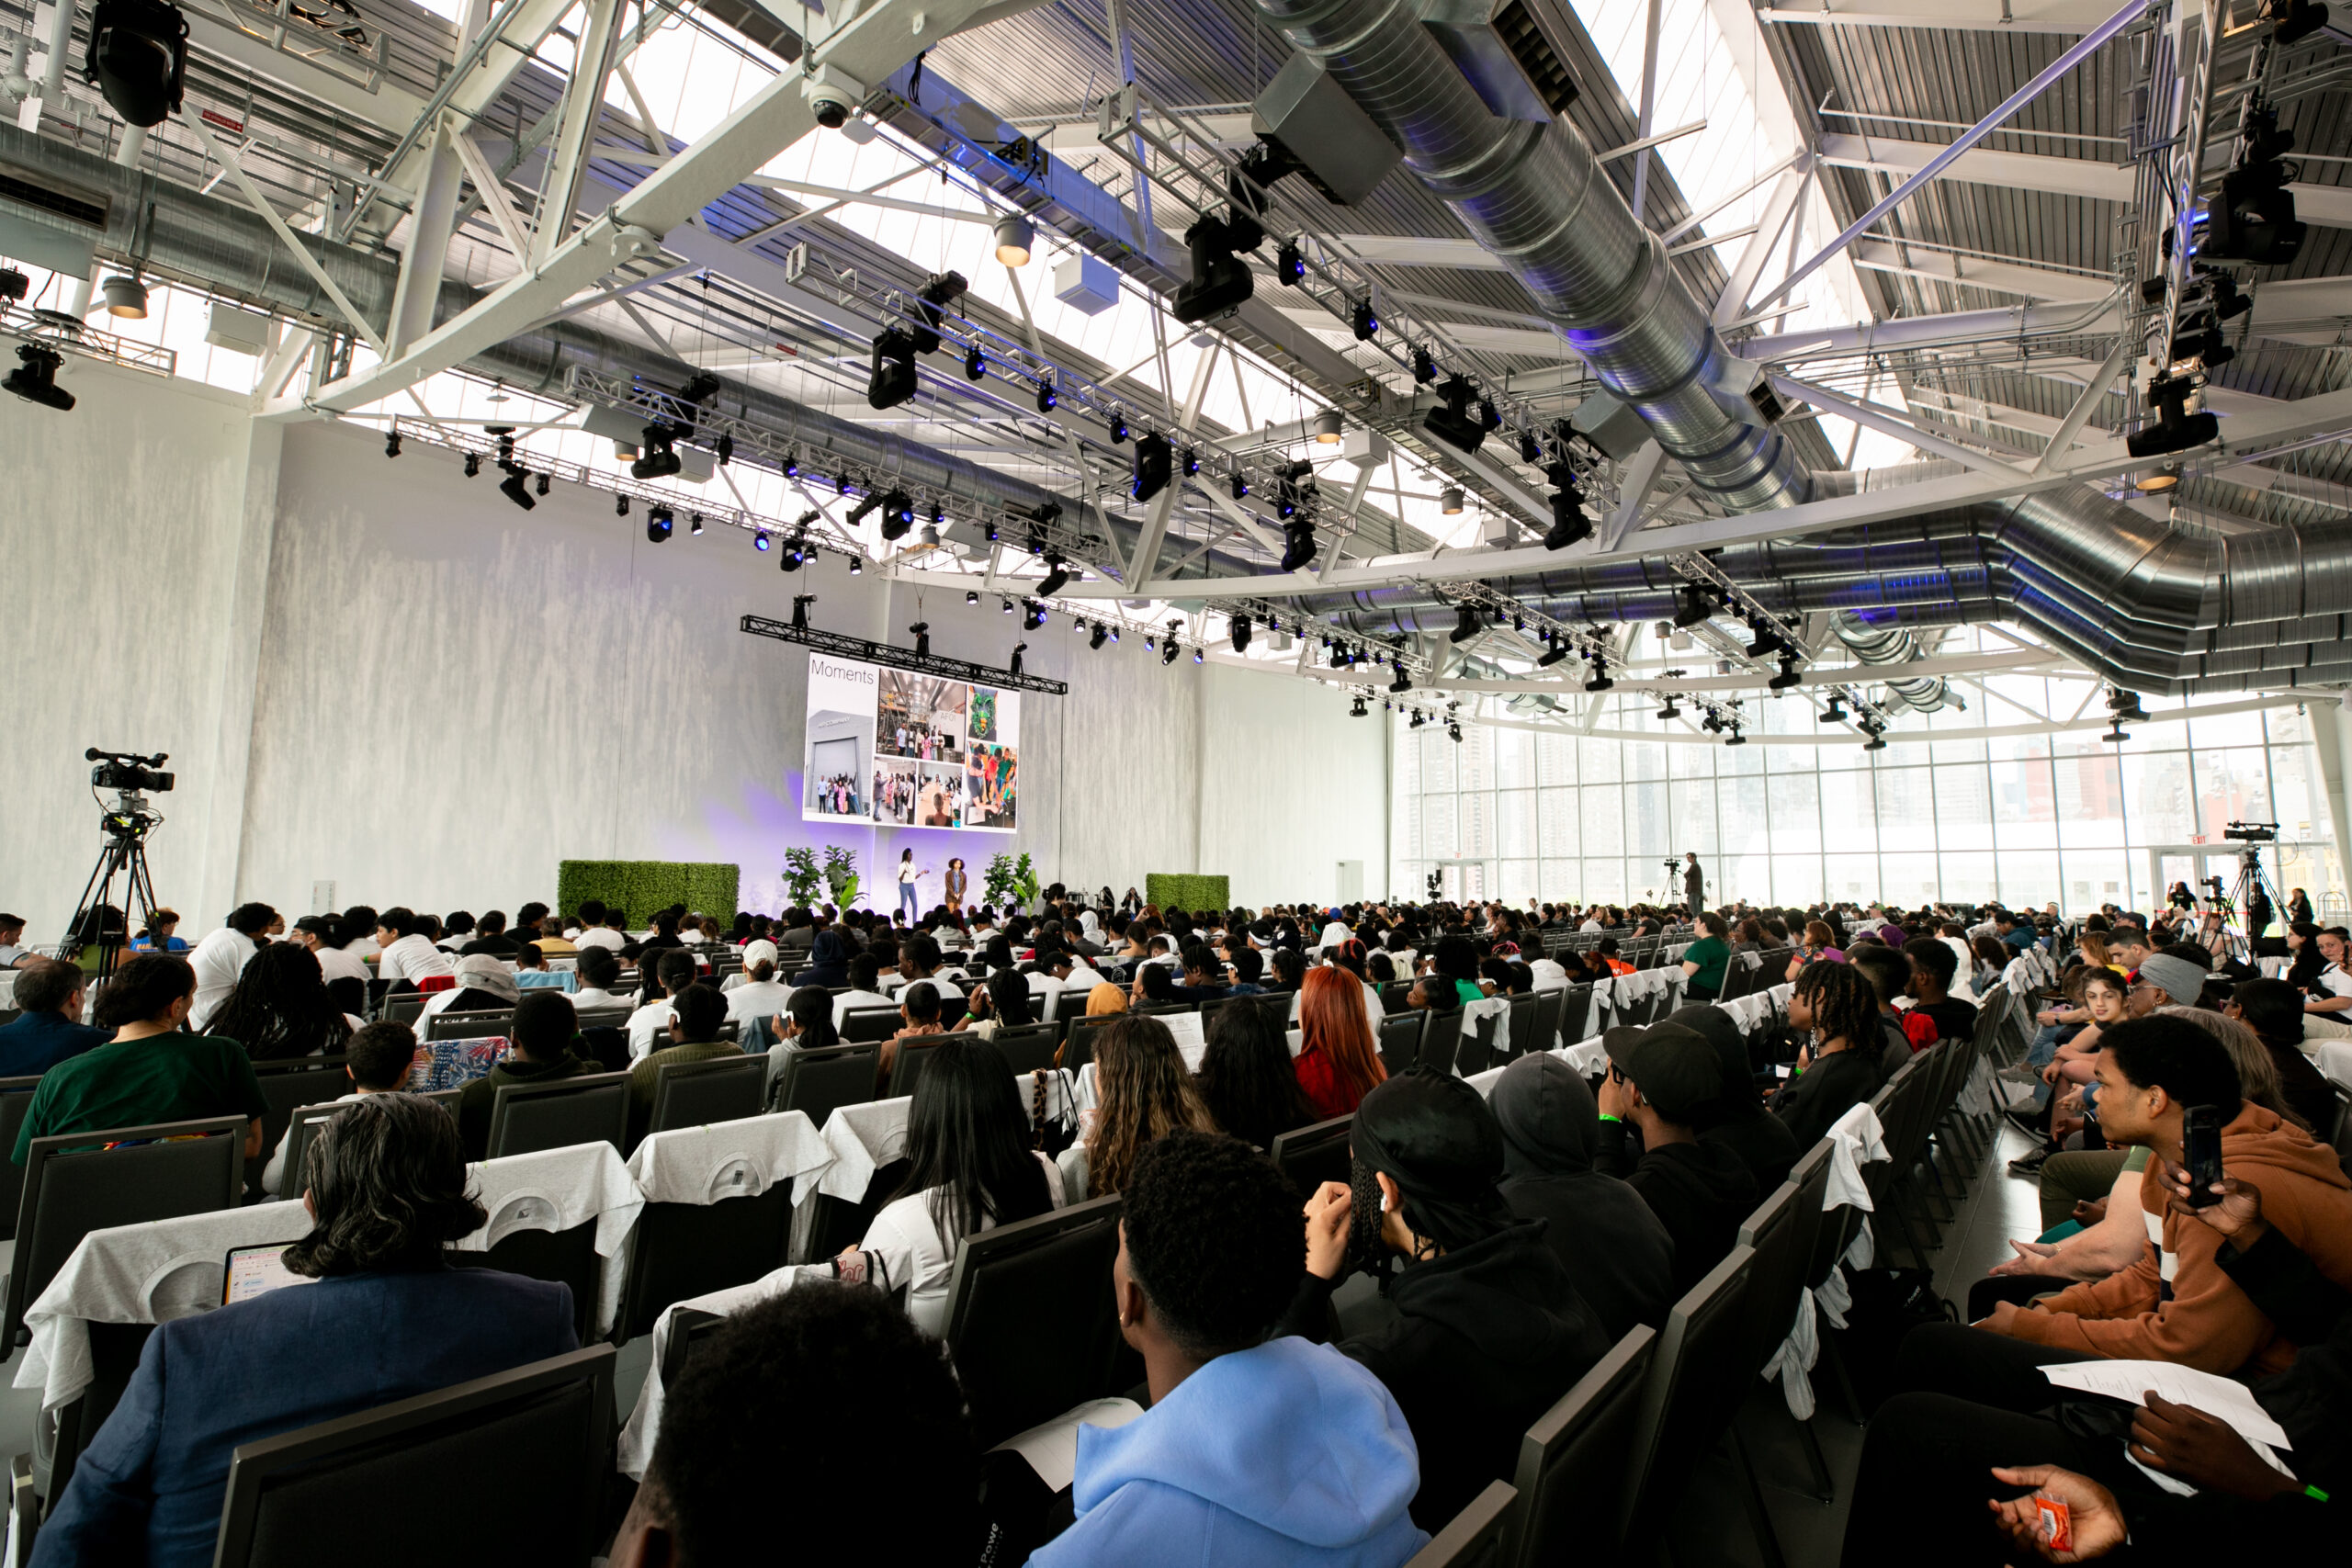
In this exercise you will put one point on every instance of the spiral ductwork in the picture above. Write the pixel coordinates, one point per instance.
(1890, 645)
(2147, 606)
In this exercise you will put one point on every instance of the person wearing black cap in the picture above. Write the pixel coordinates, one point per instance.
(1660, 1081)
(1489, 1329)
(1737, 1120)
(1610, 1243)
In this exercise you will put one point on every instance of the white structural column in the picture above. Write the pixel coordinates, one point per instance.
(430, 226)
(584, 100)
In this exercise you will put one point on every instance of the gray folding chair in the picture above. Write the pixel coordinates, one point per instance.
(694, 1094)
(586, 1108)
(1477, 1537)
(1572, 1462)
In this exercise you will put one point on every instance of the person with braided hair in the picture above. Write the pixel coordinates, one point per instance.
(1838, 1067)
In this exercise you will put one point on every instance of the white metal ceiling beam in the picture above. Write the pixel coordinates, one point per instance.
(2000, 277)
(584, 102)
(1816, 677)
(2069, 18)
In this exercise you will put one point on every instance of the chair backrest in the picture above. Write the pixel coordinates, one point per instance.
(1030, 1048)
(821, 1082)
(585, 1108)
(907, 1063)
(1547, 1021)
(1695, 1383)
(1474, 1051)
(1078, 1037)
(402, 1007)
(1313, 1154)
(1781, 1231)
(1571, 1471)
(1394, 995)
(73, 1186)
(1523, 1015)
(1477, 1537)
(1031, 1322)
(862, 1024)
(286, 1087)
(479, 1025)
(1399, 1037)
(601, 1017)
(1575, 1007)
(544, 1429)
(15, 1100)
(679, 1251)
(693, 1094)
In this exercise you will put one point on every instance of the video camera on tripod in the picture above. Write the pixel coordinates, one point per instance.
(126, 821)
(126, 770)
(2252, 832)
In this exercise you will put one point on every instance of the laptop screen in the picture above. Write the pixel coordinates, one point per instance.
(250, 1271)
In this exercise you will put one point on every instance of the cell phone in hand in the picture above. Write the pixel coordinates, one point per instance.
(2202, 1139)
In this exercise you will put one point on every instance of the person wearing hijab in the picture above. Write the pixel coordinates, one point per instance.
(829, 958)
(1106, 999)
(1738, 1121)
(1612, 1245)
(1489, 1329)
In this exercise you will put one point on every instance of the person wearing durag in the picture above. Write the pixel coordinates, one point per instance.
(1489, 1329)
(1613, 1246)
(829, 959)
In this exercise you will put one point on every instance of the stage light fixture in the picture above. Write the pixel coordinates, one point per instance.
(693, 525)
(659, 522)
(1734, 737)
(1453, 424)
(1046, 397)
(1220, 279)
(515, 488)
(1168, 651)
(1363, 321)
(1836, 712)
(1466, 624)
(898, 513)
(1877, 743)
(1788, 676)
(1299, 545)
(620, 506)
(1358, 710)
(931, 304)
(760, 539)
(792, 464)
(1016, 237)
(1454, 733)
(1450, 502)
(856, 566)
(658, 457)
(1404, 681)
(1530, 449)
(2155, 481)
(1424, 366)
(1191, 462)
(1553, 655)
(1012, 666)
(1327, 428)
(2176, 430)
(1118, 429)
(541, 484)
(1766, 638)
(1004, 606)
(800, 604)
(474, 465)
(1057, 575)
(138, 58)
(725, 448)
(864, 508)
(841, 484)
(892, 381)
(1691, 607)
(1569, 524)
(1102, 634)
(975, 364)
(922, 638)
(1198, 655)
(125, 296)
(1599, 680)
(971, 596)
(1032, 614)
(1670, 713)
(1155, 466)
(1240, 485)
(392, 443)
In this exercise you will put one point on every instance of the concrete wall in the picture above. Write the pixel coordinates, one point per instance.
(1290, 785)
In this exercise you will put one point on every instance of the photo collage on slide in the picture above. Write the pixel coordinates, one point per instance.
(909, 751)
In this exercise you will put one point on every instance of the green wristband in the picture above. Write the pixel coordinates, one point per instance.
(2315, 1492)
(1606, 1117)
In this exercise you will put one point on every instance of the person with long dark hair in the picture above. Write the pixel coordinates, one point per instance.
(1838, 1067)
(1145, 1091)
(385, 1183)
(1003, 1000)
(280, 1007)
(1246, 1078)
(970, 1167)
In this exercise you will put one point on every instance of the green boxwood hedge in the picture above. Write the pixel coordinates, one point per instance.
(641, 886)
(1186, 891)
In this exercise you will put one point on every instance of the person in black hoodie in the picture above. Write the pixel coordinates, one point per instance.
(1660, 1078)
(1737, 1120)
(1839, 1066)
(1614, 1247)
(1490, 1330)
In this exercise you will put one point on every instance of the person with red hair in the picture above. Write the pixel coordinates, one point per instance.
(1337, 1064)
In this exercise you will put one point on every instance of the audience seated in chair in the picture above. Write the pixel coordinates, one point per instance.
(1337, 1064)
(1490, 1330)
(1614, 1247)
(1833, 1006)
(280, 1007)
(152, 1070)
(599, 971)
(649, 1026)
(381, 1319)
(406, 952)
(544, 1029)
(698, 1014)
(1660, 1080)
(1145, 1091)
(888, 1472)
(757, 992)
(970, 1168)
(1738, 1118)
(1257, 1451)
(50, 992)
(1002, 1001)
(1248, 1080)
(1949, 1477)
(377, 1057)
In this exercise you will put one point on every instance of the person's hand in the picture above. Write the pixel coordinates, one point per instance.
(2046, 1015)
(2207, 1453)
(2033, 1258)
(2090, 1211)
(1616, 1096)
(1329, 1211)
(2004, 1315)
(2237, 1217)
(2049, 1074)
(2095, 1526)
(2071, 1102)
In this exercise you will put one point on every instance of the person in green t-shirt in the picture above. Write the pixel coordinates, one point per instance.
(1706, 960)
(152, 1071)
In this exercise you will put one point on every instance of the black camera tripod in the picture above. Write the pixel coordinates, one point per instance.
(126, 825)
(2251, 894)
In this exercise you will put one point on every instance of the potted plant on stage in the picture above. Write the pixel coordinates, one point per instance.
(804, 885)
(1012, 882)
(841, 874)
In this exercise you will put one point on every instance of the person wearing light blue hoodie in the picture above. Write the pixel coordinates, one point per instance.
(1256, 1452)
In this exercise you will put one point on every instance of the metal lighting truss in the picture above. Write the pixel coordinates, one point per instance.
(356, 60)
(52, 329)
(1695, 568)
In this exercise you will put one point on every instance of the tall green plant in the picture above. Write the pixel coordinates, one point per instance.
(803, 883)
(841, 874)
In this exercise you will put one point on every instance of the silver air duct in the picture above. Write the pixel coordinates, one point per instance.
(2149, 608)
(1890, 645)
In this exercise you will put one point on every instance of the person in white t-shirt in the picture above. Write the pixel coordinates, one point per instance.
(599, 970)
(649, 1026)
(597, 928)
(221, 956)
(761, 995)
(407, 953)
(865, 989)
(318, 933)
(1073, 973)
(970, 1168)
(919, 959)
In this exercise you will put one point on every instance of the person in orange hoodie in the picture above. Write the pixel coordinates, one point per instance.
(2176, 1304)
